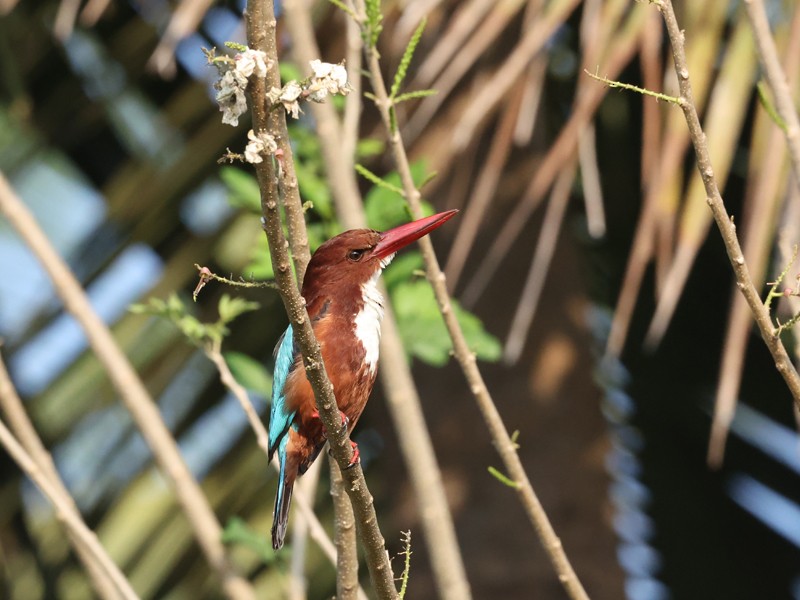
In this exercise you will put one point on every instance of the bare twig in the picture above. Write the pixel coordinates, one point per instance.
(725, 225)
(132, 392)
(345, 528)
(261, 36)
(462, 352)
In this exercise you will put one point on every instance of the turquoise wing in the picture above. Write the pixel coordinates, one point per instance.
(280, 418)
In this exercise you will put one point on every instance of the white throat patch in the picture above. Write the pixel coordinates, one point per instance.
(368, 319)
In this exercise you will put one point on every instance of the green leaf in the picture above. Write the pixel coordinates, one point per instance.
(238, 532)
(414, 95)
(249, 373)
(260, 265)
(374, 26)
(423, 330)
(402, 268)
(386, 208)
(230, 308)
(369, 147)
(243, 189)
(405, 61)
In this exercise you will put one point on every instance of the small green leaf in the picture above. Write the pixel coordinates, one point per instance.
(243, 189)
(230, 308)
(249, 373)
(414, 95)
(374, 26)
(423, 330)
(504, 479)
(405, 61)
(369, 147)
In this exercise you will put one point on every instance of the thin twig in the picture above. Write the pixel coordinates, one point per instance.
(345, 538)
(132, 392)
(462, 351)
(724, 223)
(261, 26)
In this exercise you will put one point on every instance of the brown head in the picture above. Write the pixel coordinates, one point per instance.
(352, 258)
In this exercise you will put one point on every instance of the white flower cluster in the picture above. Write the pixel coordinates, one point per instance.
(326, 79)
(259, 145)
(231, 87)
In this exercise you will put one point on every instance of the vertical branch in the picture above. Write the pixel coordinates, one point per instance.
(132, 392)
(345, 538)
(462, 352)
(261, 36)
(724, 223)
(338, 143)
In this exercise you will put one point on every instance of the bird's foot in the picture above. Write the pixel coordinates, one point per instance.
(356, 456)
(345, 420)
(356, 459)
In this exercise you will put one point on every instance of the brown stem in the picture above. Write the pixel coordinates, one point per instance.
(462, 352)
(261, 36)
(345, 538)
(402, 397)
(724, 223)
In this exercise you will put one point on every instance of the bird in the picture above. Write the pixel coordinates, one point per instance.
(345, 308)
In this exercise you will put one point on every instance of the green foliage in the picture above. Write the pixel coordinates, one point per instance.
(243, 189)
(405, 61)
(502, 478)
(237, 532)
(369, 147)
(406, 564)
(374, 25)
(250, 373)
(385, 205)
(414, 96)
(175, 310)
(289, 71)
(423, 330)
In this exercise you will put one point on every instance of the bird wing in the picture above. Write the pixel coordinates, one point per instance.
(280, 416)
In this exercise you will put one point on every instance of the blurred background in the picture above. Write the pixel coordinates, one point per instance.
(611, 338)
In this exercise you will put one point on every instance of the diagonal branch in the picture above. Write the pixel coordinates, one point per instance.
(724, 223)
(462, 352)
(132, 392)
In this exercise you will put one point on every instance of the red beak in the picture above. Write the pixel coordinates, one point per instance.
(391, 241)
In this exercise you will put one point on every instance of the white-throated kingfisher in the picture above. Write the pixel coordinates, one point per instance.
(345, 308)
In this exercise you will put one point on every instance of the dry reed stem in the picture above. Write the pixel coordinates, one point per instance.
(132, 392)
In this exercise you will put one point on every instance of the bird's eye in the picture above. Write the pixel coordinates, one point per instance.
(355, 255)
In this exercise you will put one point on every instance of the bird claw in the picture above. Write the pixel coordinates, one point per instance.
(345, 420)
(356, 456)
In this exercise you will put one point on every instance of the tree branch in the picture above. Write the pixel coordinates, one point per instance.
(724, 223)
(261, 24)
(338, 141)
(462, 352)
